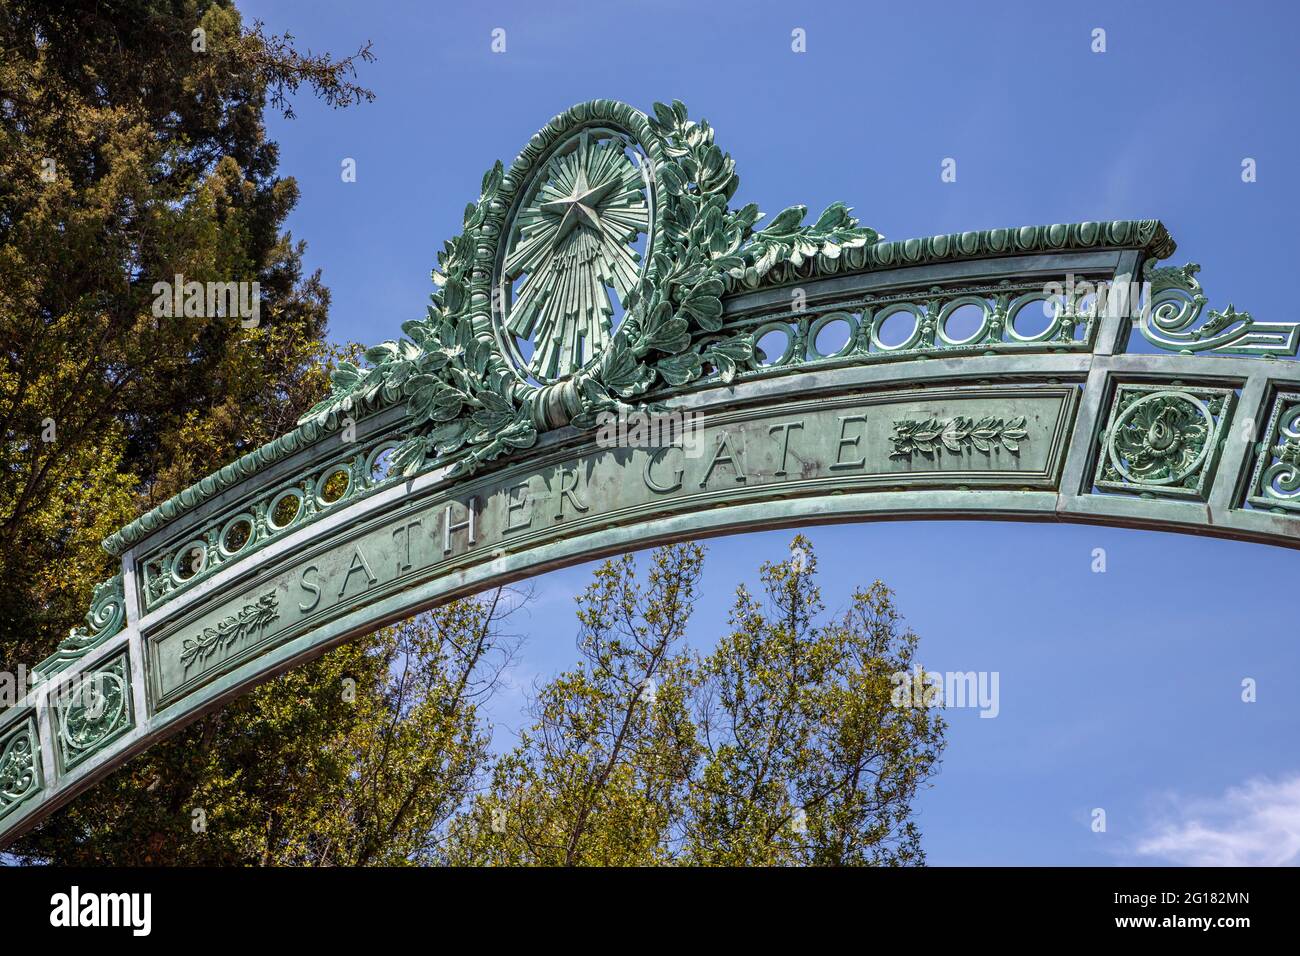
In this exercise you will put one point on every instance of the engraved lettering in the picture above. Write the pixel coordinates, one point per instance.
(520, 504)
(449, 527)
(724, 441)
(311, 587)
(569, 478)
(845, 441)
(678, 476)
(358, 563)
(784, 428)
(405, 532)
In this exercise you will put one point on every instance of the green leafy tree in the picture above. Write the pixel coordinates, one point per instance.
(601, 774)
(780, 747)
(808, 760)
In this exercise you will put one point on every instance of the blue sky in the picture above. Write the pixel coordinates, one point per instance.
(1118, 690)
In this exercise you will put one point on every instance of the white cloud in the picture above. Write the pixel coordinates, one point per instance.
(1256, 824)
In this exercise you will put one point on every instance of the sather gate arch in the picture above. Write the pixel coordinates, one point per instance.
(823, 374)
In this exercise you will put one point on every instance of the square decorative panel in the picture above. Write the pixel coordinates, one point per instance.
(20, 765)
(91, 710)
(1275, 482)
(1163, 440)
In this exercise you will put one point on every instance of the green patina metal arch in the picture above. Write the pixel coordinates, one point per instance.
(1133, 404)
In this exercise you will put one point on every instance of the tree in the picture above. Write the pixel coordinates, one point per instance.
(808, 760)
(601, 774)
(133, 149)
(781, 746)
(128, 156)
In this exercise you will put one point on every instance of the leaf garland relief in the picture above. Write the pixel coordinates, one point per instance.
(251, 619)
(955, 435)
(463, 402)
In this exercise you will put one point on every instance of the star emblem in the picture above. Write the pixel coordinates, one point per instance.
(579, 207)
(571, 256)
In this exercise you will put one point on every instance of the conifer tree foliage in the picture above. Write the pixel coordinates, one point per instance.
(133, 149)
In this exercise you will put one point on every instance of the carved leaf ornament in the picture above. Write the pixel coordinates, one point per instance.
(957, 435)
(555, 236)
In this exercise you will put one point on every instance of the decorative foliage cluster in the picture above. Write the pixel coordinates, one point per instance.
(105, 618)
(463, 401)
(1172, 319)
(1275, 483)
(1163, 441)
(1160, 438)
(673, 333)
(251, 619)
(92, 713)
(928, 436)
(679, 298)
(786, 239)
(456, 396)
(17, 770)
